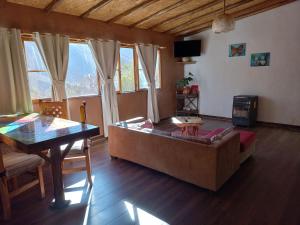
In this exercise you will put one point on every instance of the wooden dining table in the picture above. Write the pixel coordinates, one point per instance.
(34, 133)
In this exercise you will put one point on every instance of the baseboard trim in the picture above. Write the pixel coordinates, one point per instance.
(279, 125)
(259, 123)
(216, 117)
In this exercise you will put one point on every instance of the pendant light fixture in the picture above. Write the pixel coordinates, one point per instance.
(223, 23)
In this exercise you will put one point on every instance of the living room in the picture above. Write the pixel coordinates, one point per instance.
(162, 112)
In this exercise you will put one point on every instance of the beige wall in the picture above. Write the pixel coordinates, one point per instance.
(278, 86)
(131, 104)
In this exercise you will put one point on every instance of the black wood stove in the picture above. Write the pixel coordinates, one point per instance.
(244, 110)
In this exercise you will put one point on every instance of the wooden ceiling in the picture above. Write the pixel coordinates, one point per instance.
(175, 17)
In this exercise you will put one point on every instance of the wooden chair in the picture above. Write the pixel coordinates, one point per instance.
(54, 109)
(12, 165)
(80, 149)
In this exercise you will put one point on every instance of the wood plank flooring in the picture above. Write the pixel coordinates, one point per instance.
(265, 191)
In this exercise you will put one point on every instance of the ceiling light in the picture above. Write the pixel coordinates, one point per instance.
(223, 23)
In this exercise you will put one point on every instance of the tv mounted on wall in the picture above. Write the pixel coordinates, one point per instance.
(187, 48)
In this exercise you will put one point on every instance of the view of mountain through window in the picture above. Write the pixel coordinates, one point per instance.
(82, 74)
(127, 69)
(81, 77)
(38, 77)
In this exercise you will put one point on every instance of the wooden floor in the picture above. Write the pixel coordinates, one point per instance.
(265, 191)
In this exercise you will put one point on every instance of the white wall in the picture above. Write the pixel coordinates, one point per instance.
(278, 86)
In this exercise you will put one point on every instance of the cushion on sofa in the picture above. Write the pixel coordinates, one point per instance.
(246, 139)
(147, 124)
(199, 138)
(202, 140)
(214, 132)
(224, 132)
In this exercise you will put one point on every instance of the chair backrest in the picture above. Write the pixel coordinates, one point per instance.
(54, 108)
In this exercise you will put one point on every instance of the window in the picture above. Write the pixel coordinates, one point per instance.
(82, 74)
(129, 70)
(142, 79)
(38, 77)
(126, 69)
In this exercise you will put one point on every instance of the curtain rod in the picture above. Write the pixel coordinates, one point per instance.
(81, 40)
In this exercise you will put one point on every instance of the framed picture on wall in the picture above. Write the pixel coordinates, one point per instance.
(260, 59)
(237, 50)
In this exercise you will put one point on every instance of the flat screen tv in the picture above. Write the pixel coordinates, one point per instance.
(187, 48)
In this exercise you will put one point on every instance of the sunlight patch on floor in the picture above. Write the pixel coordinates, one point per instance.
(141, 217)
(79, 192)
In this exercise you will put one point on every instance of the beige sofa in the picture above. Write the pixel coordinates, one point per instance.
(207, 166)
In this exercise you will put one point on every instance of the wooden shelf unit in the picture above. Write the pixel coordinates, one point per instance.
(188, 62)
(187, 105)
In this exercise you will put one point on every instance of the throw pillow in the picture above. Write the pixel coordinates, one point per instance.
(147, 124)
(202, 140)
(224, 133)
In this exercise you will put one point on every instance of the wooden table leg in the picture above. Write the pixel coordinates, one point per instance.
(58, 186)
(184, 131)
(195, 130)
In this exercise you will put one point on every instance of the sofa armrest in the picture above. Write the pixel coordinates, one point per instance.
(228, 157)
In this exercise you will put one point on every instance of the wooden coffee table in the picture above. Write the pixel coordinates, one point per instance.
(187, 122)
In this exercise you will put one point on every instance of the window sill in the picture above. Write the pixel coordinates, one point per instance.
(83, 96)
(36, 101)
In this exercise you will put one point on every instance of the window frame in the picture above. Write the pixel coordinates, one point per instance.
(27, 38)
(136, 71)
(120, 91)
(75, 41)
(23, 43)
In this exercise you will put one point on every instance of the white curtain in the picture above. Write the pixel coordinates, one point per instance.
(54, 50)
(148, 56)
(106, 54)
(14, 88)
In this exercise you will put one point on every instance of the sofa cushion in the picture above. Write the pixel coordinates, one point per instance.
(246, 139)
(147, 124)
(214, 132)
(199, 139)
(224, 132)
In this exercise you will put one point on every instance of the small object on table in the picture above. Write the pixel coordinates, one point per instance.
(189, 124)
(83, 112)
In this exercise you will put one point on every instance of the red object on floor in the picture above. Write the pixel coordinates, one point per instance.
(246, 139)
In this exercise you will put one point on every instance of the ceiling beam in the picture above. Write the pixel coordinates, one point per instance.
(198, 18)
(127, 12)
(95, 7)
(160, 12)
(51, 5)
(249, 11)
(176, 17)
